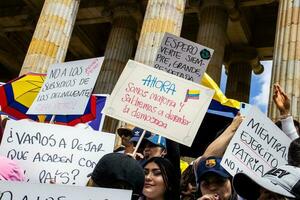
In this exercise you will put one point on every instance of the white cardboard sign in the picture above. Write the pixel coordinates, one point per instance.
(49, 152)
(257, 146)
(67, 88)
(159, 102)
(26, 191)
(182, 58)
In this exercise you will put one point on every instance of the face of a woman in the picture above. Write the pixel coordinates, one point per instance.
(154, 187)
(216, 185)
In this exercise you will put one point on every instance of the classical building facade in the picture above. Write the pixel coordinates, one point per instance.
(37, 33)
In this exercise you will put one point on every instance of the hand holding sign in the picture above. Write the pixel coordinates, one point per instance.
(257, 146)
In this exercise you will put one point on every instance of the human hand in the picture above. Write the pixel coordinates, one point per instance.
(237, 120)
(210, 197)
(281, 100)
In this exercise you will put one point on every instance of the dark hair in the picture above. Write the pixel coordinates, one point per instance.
(188, 176)
(170, 177)
(294, 153)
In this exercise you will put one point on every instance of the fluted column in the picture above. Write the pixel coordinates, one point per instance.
(240, 61)
(161, 16)
(118, 50)
(51, 36)
(286, 59)
(213, 19)
(238, 81)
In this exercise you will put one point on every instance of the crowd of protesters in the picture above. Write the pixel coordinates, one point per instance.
(153, 172)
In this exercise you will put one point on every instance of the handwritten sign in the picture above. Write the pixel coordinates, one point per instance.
(67, 88)
(257, 146)
(182, 58)
(54, 152)
(26, 191)
(159, 102)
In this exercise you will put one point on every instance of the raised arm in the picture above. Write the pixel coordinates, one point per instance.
(218, 146)
(283, 104)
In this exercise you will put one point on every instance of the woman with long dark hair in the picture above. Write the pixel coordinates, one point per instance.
(161, 180)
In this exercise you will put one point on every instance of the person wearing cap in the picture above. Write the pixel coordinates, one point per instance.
(119, 171)
(213, 180)
(126, 134)
(278, 183)
(10, 170)
(153, 145)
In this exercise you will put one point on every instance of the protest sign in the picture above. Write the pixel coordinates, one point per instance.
(26, 191)
(182, 57)
(257, 146)
(67, 88)
(54, 152)
(159, 102)
(245, 108)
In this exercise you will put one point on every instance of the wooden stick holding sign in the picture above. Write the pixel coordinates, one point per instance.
(139, 142)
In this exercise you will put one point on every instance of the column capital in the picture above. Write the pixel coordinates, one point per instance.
(233, 9)
(211, 3)
(120, 8)
(243, 54)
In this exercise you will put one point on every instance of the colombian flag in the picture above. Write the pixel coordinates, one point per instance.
(192, 94)
(220, 105)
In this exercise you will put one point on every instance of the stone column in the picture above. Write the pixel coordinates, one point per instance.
(286, 59)
(213, 19)
(161, 16)
(51, 36)
(240, 61)
(238, 81)
(118, 50)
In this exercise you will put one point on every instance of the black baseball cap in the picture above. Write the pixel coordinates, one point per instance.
(116, 167)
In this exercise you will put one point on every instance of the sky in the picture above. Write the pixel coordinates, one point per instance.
(260, 86)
